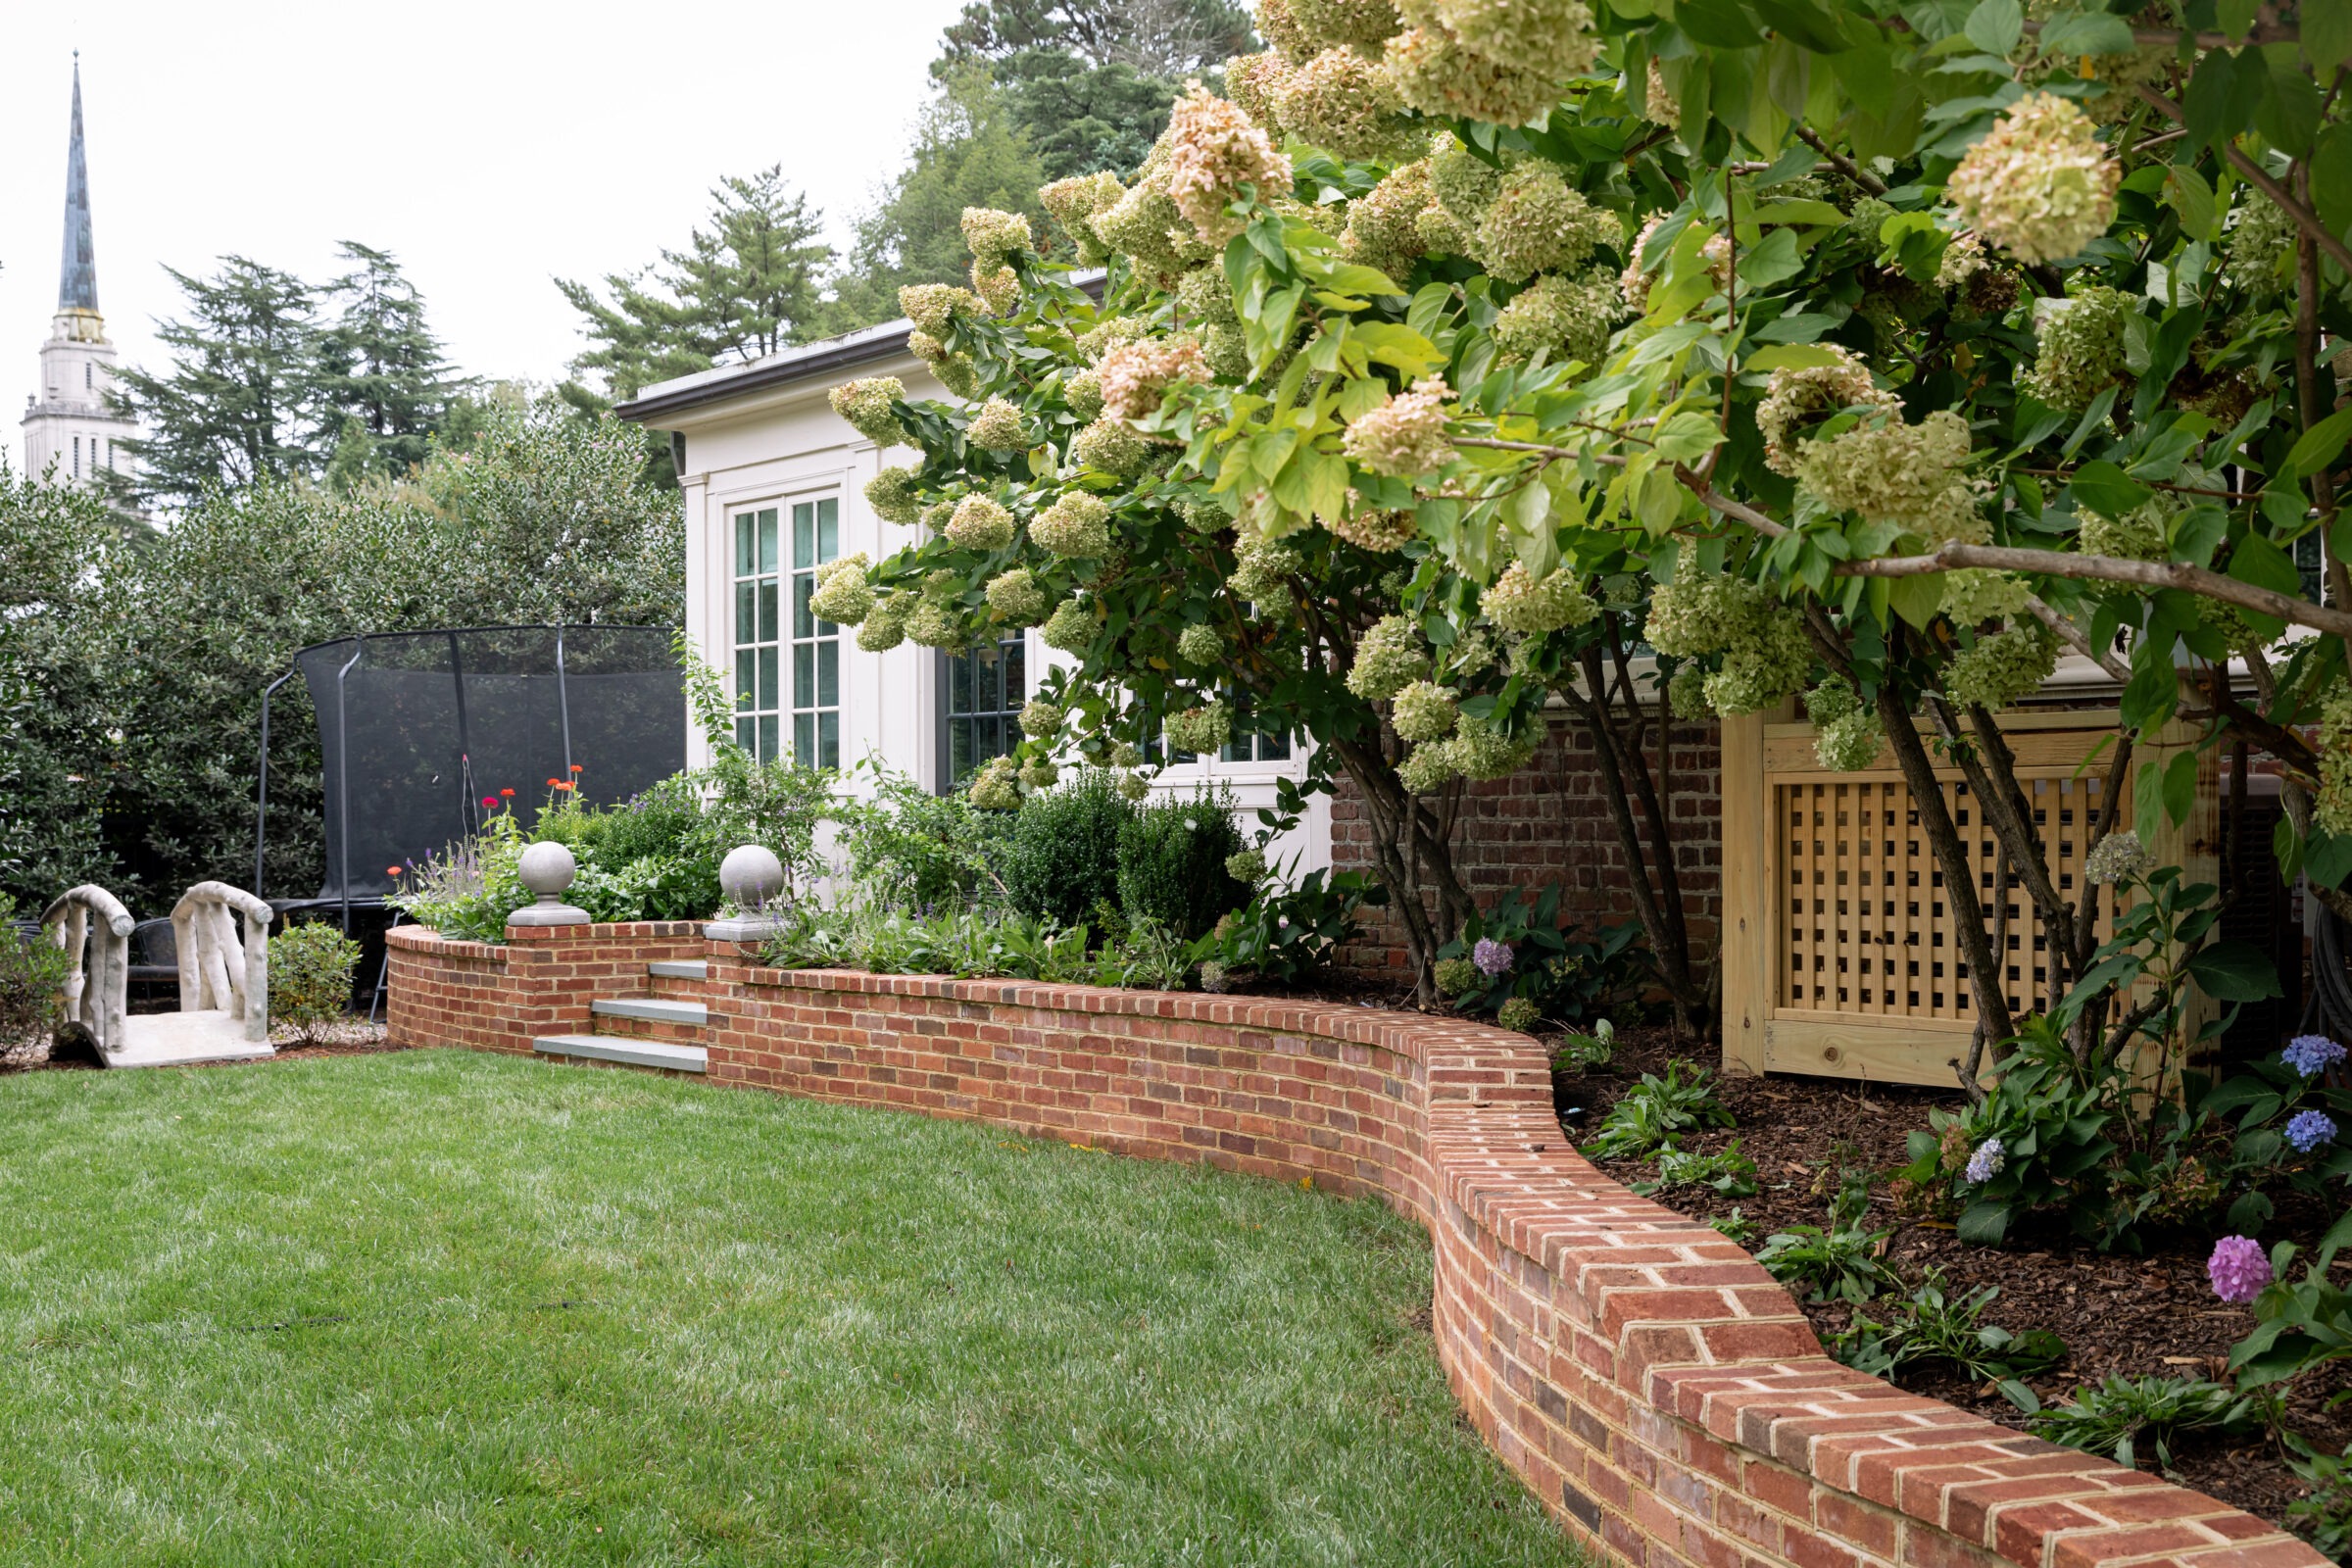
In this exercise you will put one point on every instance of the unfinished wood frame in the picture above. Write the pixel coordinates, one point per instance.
(1838, 959)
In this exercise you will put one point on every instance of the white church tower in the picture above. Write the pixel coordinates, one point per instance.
(67, 423)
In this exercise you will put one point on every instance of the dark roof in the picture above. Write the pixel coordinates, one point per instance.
(799, 363)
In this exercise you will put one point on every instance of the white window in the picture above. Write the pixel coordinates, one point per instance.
(771, 657)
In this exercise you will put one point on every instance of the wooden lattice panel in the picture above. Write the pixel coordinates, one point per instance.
(1865, 931)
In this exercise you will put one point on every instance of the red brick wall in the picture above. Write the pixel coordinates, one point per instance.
(1550, 823)
(499, 996)
(1644, 1377)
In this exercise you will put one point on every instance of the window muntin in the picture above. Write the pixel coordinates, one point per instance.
(758, 700)
(980, 695)
(816, 644)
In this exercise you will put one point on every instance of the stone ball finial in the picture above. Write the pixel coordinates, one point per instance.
(752, 876)
(547, 868)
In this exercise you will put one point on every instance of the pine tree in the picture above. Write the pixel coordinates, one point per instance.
(1090, 81)
(380, 363)
(968, 152)
(746, 286)
(240, 400)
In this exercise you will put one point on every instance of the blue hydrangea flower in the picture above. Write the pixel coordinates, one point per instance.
(2311, 1055)
(2309, 1129)
(1493, 957)
(1987, 1161)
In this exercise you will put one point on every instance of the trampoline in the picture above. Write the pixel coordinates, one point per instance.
(417, 729)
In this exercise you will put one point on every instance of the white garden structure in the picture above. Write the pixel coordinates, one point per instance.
(224, 977)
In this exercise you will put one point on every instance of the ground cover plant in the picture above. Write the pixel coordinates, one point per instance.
(439, 1307)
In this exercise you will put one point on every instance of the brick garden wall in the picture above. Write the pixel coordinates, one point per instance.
(498, 996)
(1550, 823)
(1644, 1377)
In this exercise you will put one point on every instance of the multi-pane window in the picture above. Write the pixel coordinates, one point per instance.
(758, 699)
(786, 672)
(981, 693)
(1252, 741)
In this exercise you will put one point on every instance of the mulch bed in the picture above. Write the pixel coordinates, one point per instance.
(2151, 1314)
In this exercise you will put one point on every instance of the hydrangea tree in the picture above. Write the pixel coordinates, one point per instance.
(1867, 353)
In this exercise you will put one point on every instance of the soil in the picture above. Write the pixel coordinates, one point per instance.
(2150, 1314)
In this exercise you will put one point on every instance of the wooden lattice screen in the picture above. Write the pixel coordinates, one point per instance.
(1840, 955)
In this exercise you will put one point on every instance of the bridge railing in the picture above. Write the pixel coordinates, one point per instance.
(219, 969)
(94, 929)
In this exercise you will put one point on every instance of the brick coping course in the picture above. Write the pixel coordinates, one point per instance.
(1643, 1375)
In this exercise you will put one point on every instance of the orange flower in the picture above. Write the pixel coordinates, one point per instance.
(577, 769)
(554, 784)
(509, 794)
(567, 786)
(392, 870)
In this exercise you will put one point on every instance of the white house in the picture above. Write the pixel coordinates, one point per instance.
(773, 482)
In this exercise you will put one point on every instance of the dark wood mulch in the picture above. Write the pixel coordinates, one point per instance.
(2152, 1314)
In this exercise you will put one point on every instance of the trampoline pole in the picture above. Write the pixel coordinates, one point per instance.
(466, 827)
(563, 703)
(343, 780)
(261, 811)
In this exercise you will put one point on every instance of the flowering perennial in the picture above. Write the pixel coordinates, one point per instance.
(2117, 858)
(1200, 646)
(1519, 601)
(1845, 733)
(1019, 598)
(1077, 524)
(1493, 957)
(2039, 184)
(1202, 731)
(2238, 1269)
(980, 523)
(1247, 866)
(1905, 475)
(1989, 1162)
(1537, 223)
(1795, 401)
(1136, 376)
(1073, 203)
(1423, 711)
(932, 306)
(841, 594)
(891, 493)
(2307, 1130)
(866, 405)
(1405, 436)
(1342, 101)
(1388, 657)
(998, 428)
(2079, 348)
(2003, 669)
(2311, 1055)
(1213, 152)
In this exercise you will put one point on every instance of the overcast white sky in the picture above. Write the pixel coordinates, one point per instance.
(489, 145)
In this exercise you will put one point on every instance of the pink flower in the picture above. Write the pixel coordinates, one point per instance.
(489, 799)
(2238, 1269)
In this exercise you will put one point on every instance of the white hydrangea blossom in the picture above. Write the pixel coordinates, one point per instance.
(1795, 401)
(1214, 150)
(1017, 597)
(1346, 105)
(1201, 646)
(2079, 348)
(842, 595)
(1907, 474)
(1135, 378)
(980, 523)
(1520, 602)
(1845, 733)
(1388, 656)
(866, 405)
(1202, 731)
(994, 237)
(1423, 711)
(998, 428)
(1077, 526)
(2003, 669)
(892, 495)
(1109, 446)
(2039, 184)
(1040, 721)
(1405, 436)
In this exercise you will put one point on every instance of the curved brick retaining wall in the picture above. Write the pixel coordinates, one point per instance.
(1645, 1376)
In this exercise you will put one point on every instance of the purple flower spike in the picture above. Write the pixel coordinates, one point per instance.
(1493, 957)
(2238, 1269)
(2309, 1129)
(2311, 1055)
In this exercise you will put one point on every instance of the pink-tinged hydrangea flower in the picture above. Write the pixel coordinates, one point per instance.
(1405, 436)
(1214, 150)
(1346, 105)
(2309, 1129)
(2039, 184)
(1989, 1162)
(2311, 1055)
(1493, 957)
(2238, 1269)
(1136, 376)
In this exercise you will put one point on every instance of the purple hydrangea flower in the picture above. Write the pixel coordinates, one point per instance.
(1989, 1162)
(2238, 1269)
(1493, 957)
(2311, 1055)
(2309, 1129)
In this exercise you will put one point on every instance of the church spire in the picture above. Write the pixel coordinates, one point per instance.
(77, 272)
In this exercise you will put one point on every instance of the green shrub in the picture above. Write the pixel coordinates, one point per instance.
(310, 977)
(31, 970)
(910, 846)
(1171, 864)
(1064, 863)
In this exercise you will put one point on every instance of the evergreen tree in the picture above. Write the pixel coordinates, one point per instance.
(1090, 81)
(240, 400)
(746, 286)
(379, 364)
(968, 152)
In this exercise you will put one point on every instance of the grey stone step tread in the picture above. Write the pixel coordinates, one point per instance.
(657, 1010)
(679, 969)
(635, 1053)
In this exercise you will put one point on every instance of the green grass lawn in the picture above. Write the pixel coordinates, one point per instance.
(437, 1307)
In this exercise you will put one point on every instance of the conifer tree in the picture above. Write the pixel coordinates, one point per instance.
(378, 363)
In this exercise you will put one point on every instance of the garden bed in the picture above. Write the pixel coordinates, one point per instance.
(2150, 1314)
